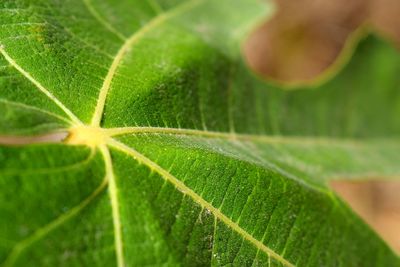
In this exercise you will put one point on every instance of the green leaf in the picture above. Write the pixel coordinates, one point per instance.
(177, 154)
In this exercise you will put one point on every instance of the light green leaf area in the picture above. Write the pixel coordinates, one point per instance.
(177, 154)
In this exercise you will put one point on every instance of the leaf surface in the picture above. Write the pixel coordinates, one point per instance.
(177, 154)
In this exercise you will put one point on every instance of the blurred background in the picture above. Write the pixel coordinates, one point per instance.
(300, 42)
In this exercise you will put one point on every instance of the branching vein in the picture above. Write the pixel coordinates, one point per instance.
(42, 232)
(36, 109)
(198, 199)
(102, 21)
(39, 86)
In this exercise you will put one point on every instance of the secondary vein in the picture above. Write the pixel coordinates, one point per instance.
(102, 21)
(158, 20)
(40, 233)
(198, 199)
(21, 105)
(45, 91)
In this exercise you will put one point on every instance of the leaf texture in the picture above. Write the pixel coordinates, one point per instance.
(177, 154)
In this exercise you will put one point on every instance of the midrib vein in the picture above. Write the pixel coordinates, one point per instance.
(158, 20)
(231, 136)
(113, 192)
(198, 199)
(40, 233)
(27, 75)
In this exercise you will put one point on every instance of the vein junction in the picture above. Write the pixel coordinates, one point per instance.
(97, 137)
(102, 139)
